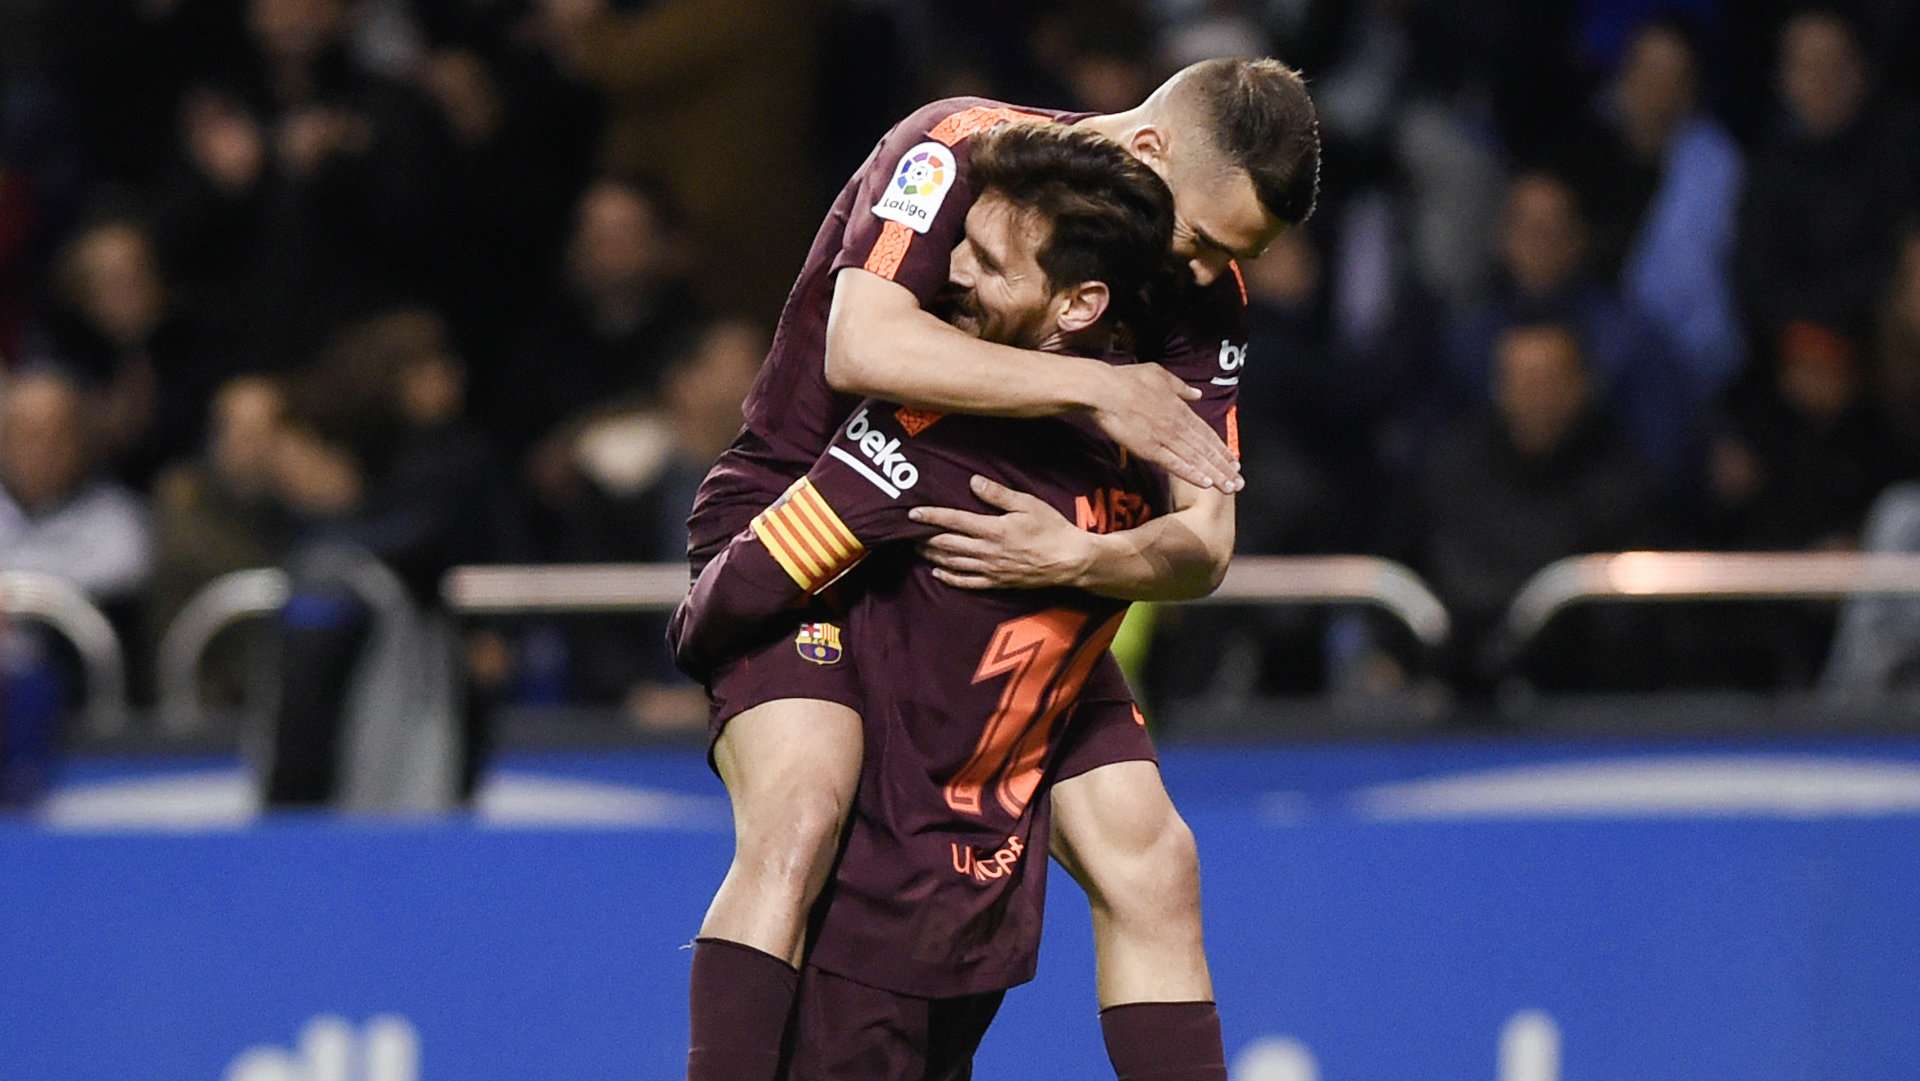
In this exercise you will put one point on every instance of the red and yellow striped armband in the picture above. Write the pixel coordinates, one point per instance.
(807, 538)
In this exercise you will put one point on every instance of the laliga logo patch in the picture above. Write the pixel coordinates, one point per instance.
(885, 465)
(819, 643)
(920, 184)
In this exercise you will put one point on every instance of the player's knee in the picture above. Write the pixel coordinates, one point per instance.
(1153, 880)
(793, 843)
(1178, 857)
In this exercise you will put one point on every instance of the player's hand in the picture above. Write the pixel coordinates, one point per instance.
(1147, 413)
(1029, 546)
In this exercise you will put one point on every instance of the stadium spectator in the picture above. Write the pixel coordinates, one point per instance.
(1877, 649)
(614, 320)
(1661, 180)
(374, 458)
(1807, 451)
(218, 514)
(523, 140)
(1543, 475)
(310, 189)
(635, 471)
(717, 98)
(1817, 236)
(118, 326)
(58, 516)
(1899, 368)
(1102, 53)
(1313, 409)
(1543, 249)
(16, 250)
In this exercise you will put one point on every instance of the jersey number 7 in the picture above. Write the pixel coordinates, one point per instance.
(1047, 661)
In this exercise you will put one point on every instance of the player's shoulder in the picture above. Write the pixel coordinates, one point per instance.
(952, 120)
(1202, 314)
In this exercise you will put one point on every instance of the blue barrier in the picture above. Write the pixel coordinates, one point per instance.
(1443, 913)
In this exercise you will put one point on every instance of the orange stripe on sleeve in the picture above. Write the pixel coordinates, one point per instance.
(958, 126)
(889, 250)
(1233, 430)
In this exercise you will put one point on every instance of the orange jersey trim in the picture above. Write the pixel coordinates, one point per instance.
(958, 126)
(1233, 431)
(916, 421)
(889, 250)
(1239, 279)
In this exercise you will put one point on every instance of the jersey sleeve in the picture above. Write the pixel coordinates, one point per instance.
(1209, 352)
(910, 207)
(884, 461)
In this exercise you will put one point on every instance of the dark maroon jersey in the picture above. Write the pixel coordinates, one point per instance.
(900, 217)
(940, 890)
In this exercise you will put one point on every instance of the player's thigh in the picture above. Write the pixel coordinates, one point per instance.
(786, 735)
(790, 765)
(1115, 829)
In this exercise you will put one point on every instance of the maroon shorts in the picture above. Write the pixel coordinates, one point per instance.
(846, 1031)
(1102, 733)
(808, 661)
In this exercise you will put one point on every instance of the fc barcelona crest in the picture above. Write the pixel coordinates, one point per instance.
(819, 643)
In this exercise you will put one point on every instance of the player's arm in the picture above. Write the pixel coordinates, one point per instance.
(881, 344)
(909, 213)
(763, 575)
(856, 497)
(1182, 555)
(1179, 556)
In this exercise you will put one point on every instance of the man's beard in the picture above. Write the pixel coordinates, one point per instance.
(958, 308)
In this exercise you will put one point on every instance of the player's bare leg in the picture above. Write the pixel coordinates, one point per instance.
(1116, 831)
(790, 769)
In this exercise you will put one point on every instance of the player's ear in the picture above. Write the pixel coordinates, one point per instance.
(1150, 145)
(1083, 306)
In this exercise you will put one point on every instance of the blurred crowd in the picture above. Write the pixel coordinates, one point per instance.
(477, 280)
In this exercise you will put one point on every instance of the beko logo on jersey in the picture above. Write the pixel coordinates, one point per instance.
(920, 184)
(886, 466)
(1232, 357)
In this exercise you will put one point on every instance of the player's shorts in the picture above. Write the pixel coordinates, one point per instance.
(1102, 733)
(808, 661)
(846, 1031)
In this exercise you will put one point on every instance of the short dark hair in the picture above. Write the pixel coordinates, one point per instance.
(1110, 218)
(1262, 119)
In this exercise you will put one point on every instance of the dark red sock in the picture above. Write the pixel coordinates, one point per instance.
(741, 998)
(1165, 1041)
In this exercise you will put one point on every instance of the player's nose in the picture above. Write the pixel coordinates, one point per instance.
(1205, 271)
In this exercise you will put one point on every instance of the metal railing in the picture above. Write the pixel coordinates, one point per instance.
(656, 587)
(1643, 577)
(60, 606)
(1635, 577)
(223, 602)
(245, 595)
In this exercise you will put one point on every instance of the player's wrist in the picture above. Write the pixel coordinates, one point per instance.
(1090, 385)
(1084, 560)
